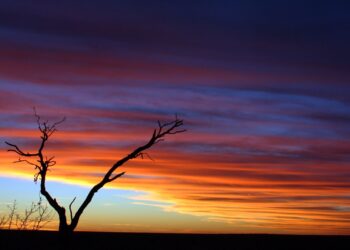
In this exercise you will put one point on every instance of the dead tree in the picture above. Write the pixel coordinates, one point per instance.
(9, 220)
(24, 220)
(34, 217)
(43, 217)
(12, 214)
(44, 163)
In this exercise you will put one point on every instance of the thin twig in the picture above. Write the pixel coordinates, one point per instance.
(70, 209)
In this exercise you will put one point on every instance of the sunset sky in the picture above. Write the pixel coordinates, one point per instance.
(263, 88)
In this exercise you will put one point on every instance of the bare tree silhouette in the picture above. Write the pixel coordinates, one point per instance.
(44, 163)
(35, 217)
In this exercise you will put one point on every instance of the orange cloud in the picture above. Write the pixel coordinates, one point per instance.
(269, 195)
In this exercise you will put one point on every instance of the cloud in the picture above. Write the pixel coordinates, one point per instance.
(264, 96)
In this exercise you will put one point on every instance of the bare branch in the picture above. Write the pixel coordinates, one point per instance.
(177, 132)
(12, 214)
(19, 151)
(157, 136)
(158, 140)
(143, 155)
(37, 117)
(34, 217)
(44, 217)
(70, 209)
(45, 128)
(117, 176)
(23, 221)
(54, 125)
(50, 162)
(3, 221)
(28, 162)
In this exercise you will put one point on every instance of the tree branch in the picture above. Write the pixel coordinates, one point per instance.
(117, 176)
(159, 133)
(28, 162)
(70, 209)
(19, 151)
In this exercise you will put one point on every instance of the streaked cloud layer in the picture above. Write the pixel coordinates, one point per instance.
(263, 89)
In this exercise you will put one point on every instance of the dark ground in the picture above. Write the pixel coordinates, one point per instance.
(123, 241)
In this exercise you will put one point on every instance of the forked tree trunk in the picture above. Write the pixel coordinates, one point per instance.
(64, 228)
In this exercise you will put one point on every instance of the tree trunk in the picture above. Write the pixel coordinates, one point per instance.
(64, 228)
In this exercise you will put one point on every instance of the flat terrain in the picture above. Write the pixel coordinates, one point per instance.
(123, 241)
